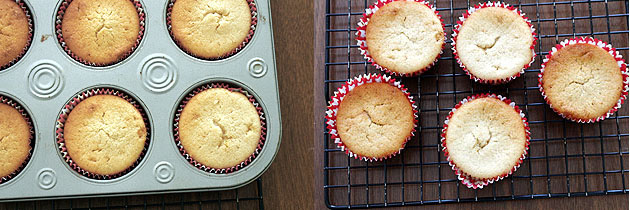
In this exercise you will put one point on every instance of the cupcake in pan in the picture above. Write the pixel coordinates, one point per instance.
(485, 138)
(584, 80)
(102, 133)
(371, 117)
(401, 37)
(16, 29)
(219, 128)
(100, 32)
(494, 43)
(16, 138)
(210, 29)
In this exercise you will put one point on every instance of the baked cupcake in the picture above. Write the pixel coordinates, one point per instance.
(584, 80)
(15, 141)
(401, 37)
(220, 128)
(100, 32)
(15, 30)
(210, 29)
(371, 117)
(104, 135)
(494, 43)
(485, 138)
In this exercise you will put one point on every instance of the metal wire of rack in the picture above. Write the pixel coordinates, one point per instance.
(565, 159)
(246, 197)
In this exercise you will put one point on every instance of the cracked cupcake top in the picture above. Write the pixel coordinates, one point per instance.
(582, 81)
(100, 31)
(13, 31)
(375, 119)
(404, 36)
(485, 138)
(14, 140)
(105, 134)
(219, 128)
(494, 43)
(210, 29)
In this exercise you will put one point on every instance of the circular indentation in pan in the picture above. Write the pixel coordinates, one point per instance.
(158, 72)
(47, 178)
(45, 79)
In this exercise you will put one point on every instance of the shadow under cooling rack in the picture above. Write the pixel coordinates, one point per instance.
(566, 159)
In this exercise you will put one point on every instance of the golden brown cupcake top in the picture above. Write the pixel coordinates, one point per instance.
(582, 81)
(375, 119)
(100, 31)
(210, 29)
(13, 31)
(15, 138)
(105, 134)
(219, 128)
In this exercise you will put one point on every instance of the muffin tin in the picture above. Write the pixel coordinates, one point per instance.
(158, 74)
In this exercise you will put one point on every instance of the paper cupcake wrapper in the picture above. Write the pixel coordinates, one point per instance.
(200, 166)
(601, 44)
(461, 22)
(8, 101)
(361, 36)
(335, 101)
(58, 20)
(27, 12)
(65, 112)
(466, 179)
(250, 35)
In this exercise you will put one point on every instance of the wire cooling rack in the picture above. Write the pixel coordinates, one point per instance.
(247, 197)
(566, 159)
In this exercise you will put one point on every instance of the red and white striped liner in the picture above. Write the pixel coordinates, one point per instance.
(63, 117)
(361, 33)
(335, 101)
(261, 141)
(612, 51)
(59, 19)
(250, 34)
(8, 101)
(30, 35)
(469, 181)
(465, 16)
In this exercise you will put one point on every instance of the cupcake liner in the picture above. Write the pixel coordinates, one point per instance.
(65, 113)
(335, 101)
(58, 20)
(469, 181)
(27, 12)
(361, 36)
(461, 22)
(8, 101)
(601, 44)
(261, 141)
(250, 35)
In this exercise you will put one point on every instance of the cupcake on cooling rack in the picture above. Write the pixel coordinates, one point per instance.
(100, 32)
(104, 136)
(494, 42)
(401, 37)
(211, 29)
(15, 28)
(371, 117)
(485, 138)
(15, 139)
(220, 129)
(584, 80)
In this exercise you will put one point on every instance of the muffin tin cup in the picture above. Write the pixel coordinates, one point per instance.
(250, 34)
(470, 181)
(58, 32)
(233, 88)
(601, 44)
(335, 101)
(361, 37)
(63, 117)
(10, 102)
(461, 21)
(27, 12)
